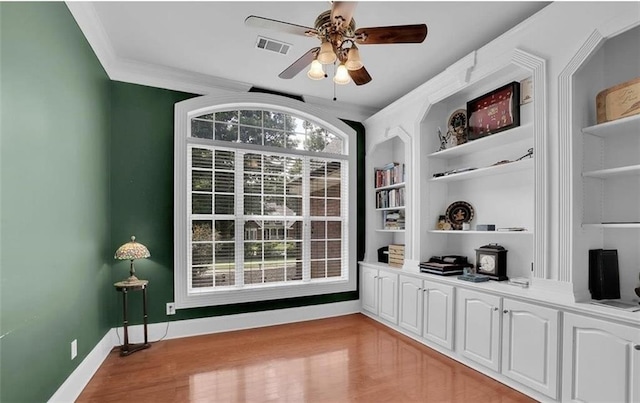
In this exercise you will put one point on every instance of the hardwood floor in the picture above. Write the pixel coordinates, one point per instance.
(345, 359)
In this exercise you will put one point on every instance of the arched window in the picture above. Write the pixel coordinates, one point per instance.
(263, 189)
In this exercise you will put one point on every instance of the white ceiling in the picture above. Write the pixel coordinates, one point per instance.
(210, 39)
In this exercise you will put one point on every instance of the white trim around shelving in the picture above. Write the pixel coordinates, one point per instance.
(514, 166)
(612, 172)
(611, 225)
(474, 232)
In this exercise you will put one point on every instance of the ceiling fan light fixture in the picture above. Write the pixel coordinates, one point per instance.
(316, 72)
(353, 59)
(326, 55)
(342, 75)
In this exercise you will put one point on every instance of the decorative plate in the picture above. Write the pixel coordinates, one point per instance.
(459, 212)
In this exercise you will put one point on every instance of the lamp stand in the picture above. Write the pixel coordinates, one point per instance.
(132, 274)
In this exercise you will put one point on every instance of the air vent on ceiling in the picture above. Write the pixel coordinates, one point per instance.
(272, 45)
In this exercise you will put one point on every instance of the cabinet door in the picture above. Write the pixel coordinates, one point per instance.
(478, 327)
(369, 290)
(388, 296)
(438, 313)
(601, 361)
(530, 345)
(410, 304)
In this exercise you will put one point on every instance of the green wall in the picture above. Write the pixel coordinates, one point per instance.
(142, 201)
(55, 253)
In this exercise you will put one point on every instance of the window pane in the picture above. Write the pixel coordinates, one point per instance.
(227, 117)
(225, 275)
(226, 132)
(334, 268)
(334, 249)
(208, 116)
(250, 135)
(274, 251)
(318, 250)
(253, 163)
(253, 274)
(225, 254)
(294, 251)
(318, 229)
(252, 230)
(253, 205)
(225, 160)
(294, 206)
(318, 168)
(201, 181)
(202, 276)
(252, 118)
(333, 188)
(253, 252)
(225, 182)
(334, 144)
(318, 269)
(202, 253)
(201, 158)
(225, 230)
(252, 183)
(333, 169)
(202, 130)
(274, 206)
(317, 187)
(317, 207)
(202, 230)
(274, 272)
(225, 204)
(315, 141)
(274, 164)
(294, 230)
(273, 185)
(333, 207)
(274, 138)
(200, 203)
(294, 271)
(274, 230)
(274, 120)
(334, 230)
(294, 185)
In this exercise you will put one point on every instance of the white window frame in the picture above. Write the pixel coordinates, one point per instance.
(188, 109)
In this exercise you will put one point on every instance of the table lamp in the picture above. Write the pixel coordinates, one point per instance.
(131, 251)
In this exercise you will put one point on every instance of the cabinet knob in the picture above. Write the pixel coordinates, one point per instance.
(495, 308)
(505, 311)
(637, 347)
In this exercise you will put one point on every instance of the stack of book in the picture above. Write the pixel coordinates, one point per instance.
(444, 268)
(393, 220)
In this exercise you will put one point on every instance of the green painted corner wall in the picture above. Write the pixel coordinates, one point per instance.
(55, 267)
(142, 202)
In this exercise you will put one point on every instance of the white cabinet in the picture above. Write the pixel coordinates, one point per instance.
(478, 317)
(530, 345)
(426, 309)
(522, 337)
(379, 290)
(601, 361)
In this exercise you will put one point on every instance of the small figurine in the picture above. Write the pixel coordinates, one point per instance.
(444, 140)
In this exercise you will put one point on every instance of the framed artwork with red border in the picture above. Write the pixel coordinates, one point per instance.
(494, 112)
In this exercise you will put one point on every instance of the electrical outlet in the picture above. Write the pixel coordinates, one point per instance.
(74, 348)
(171, 308)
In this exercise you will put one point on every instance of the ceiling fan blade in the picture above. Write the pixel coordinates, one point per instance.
(342, 13)
(268, 23)
(299, 65)
(395, 34)
(360, 76)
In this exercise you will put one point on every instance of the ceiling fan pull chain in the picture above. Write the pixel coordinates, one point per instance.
(334, 83)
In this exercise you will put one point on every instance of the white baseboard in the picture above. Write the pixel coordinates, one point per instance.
(76, 382)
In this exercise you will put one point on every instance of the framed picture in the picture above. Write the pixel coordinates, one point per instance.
(494, 112)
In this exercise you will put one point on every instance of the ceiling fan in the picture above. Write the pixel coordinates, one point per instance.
(336, 30)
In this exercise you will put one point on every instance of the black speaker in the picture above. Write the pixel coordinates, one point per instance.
(604, 277)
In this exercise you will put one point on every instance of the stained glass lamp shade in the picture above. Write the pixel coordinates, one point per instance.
(131, 251)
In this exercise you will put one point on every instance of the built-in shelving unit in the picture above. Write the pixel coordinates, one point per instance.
(605, 208)
(503, 182)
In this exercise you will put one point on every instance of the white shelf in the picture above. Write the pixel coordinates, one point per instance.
(390, 230)
(610, 172)
(457, 232)
(611, 225)
(494, 140)
(390, 208)
(488, 171)
(394, 186)
(618, 127)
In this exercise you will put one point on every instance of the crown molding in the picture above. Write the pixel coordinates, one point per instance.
(134, 72)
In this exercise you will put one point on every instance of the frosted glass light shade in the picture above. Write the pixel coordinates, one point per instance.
(353, 59)
(316, 72)
(342, 75)
(326, 55)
